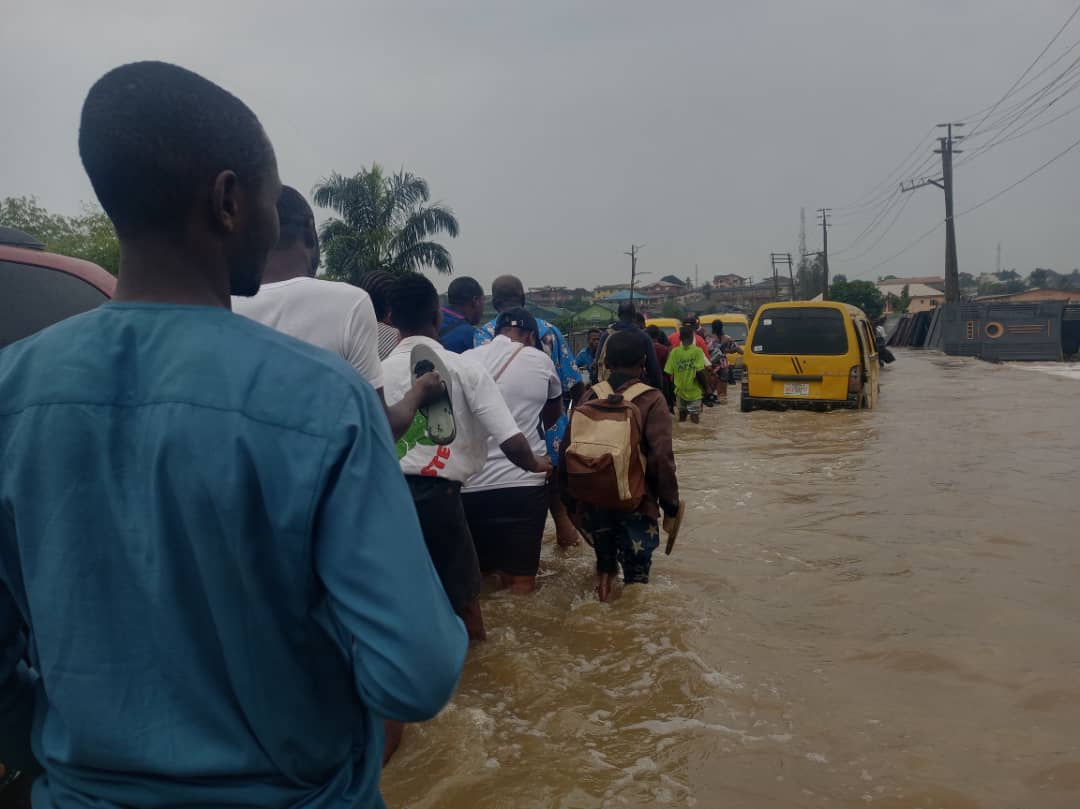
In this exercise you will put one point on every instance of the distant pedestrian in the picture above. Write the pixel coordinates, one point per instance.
(507, 292)
(662, 349)
(587, 356)
(694, 322)
(619, 505)
(628, 321)
(507, 506)
(462, 314)
(436, 472)
(377, 284)
(686, 363)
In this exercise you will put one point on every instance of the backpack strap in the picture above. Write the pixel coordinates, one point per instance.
(636, 390)
(506, 364)
(602, 390)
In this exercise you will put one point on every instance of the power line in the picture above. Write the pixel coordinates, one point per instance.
(1009, 92)
(922, 238)
(884, 233)
(890, 179)
(1026, 177)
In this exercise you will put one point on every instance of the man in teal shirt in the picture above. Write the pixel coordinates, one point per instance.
(213, 585)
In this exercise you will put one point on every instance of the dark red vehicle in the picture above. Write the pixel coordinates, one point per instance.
(38, 289)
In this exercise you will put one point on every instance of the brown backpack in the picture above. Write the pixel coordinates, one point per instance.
(605, 466)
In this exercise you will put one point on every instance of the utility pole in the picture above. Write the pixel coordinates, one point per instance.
(824, 214)
(633, 252)
(998, 265)
(780, 260)
(947, 150)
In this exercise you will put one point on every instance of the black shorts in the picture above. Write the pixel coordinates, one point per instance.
(507, 526)
(446, 532)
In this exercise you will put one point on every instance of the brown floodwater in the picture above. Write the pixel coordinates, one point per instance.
(864, 609)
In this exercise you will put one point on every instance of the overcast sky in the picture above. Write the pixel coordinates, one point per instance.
(562, 132)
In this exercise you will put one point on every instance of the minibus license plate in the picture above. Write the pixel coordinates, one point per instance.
(796, 388)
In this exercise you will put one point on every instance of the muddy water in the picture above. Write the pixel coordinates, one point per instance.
(865, 609)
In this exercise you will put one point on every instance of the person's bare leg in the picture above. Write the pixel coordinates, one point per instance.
(682, 416)
(474, 620)
(694, 418)
(566, 534)
(394, 731)
(603, 585)
(519, 584)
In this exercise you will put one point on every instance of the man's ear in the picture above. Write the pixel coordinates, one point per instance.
(224, 201)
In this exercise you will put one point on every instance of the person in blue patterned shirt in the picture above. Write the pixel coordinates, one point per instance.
(507, 292)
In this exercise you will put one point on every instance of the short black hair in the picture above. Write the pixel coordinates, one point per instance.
(296, 223)
(518, 318)
(594, 331)
(507, 290)
(463, 290)
(377, 284)
(627, 310)
(624, 350)
(718, 327)
(413, 302)
(686, 333)
(655, 333)
(153, 135)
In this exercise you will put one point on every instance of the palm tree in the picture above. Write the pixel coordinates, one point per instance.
(385, 224)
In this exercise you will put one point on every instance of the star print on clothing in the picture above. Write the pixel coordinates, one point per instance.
(652, 532)
(638, 547)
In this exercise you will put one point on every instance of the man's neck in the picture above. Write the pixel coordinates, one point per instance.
(156, 272)
(284, 265)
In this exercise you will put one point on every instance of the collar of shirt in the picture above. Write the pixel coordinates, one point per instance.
(407, 343)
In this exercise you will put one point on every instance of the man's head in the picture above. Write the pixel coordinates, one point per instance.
(594, 340)
(414, 306)
(624, 354)
(298, 241)
(692, 321)
(656, 335)
(507, 292)
(467, 296)
(179, 164)
(377, 284)
(718, 328)
(686, 335)
(518, 325)
(627, 312)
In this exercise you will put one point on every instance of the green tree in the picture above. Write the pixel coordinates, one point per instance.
(671, 309)
(385, 223)
(858, 293)
(1039, 278)
(904, 301)
(808, 278)
(89, 236)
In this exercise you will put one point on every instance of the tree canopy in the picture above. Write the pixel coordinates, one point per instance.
(385, 223)
(89, 236)
(858, 293)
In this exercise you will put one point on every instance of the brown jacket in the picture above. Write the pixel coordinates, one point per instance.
(660, 478)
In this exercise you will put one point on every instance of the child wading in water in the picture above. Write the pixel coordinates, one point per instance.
(687, 363)
(618, 505)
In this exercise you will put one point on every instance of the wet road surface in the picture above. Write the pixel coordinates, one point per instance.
(864, 609)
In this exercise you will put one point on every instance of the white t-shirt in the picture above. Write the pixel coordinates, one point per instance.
(329, 314)
(479, 412)
(527, 384)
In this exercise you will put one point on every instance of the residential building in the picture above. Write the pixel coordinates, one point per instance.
(728, 281)
(923, 297)
(1033, 296)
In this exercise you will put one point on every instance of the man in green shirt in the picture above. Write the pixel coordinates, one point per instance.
(686, 365)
